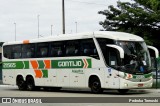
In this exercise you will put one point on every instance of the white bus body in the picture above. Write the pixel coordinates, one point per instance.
(97, 60)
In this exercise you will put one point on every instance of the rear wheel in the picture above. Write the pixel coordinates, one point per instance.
(30, 84)
(21, 83)
(95, 86)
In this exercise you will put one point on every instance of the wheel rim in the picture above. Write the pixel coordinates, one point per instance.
(96, 86)
(30, 84)
(20, 83)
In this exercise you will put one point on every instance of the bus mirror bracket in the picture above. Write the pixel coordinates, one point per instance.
(155, 50)
(121, 51)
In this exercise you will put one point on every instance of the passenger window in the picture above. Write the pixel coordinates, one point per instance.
(28, 50)
(57, 49)
(7, 51)
(88, 48)
(72, 48)
(16, 52)
(42, 49)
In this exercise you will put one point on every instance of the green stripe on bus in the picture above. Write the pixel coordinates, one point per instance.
(148, 75)
(41, 64)
(45, 73)
(66, 63)
(89, 63)
(145, 75)
(16, 65)
(13, 65)
(26, 64)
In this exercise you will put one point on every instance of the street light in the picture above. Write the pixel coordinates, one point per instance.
(76, 26)
(38, 24)
(63, 17)
(15, 30)
(51, 29)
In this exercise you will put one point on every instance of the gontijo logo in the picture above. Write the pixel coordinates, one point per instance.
(72, 63)
(69, 63)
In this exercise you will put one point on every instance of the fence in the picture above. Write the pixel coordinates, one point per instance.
(158, 79)
(156, 83)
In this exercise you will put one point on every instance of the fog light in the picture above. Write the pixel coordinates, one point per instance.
(126, 85)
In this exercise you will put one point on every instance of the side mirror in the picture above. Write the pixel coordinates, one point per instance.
(156, 52)
(121, 51)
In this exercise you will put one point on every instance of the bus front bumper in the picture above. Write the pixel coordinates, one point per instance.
(127, 84)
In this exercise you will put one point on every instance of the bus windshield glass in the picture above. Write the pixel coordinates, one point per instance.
(136, 57)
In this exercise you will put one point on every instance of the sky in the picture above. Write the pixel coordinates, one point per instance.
(25, 14)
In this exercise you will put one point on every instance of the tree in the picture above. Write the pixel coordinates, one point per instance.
(140, 17)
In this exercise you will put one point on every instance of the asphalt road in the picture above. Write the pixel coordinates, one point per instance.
(12, 91)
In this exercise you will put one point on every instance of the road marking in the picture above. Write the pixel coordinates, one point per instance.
(7, 86)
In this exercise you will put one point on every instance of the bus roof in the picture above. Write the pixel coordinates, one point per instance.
(97, 34)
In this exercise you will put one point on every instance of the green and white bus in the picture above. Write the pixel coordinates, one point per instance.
(97, 60)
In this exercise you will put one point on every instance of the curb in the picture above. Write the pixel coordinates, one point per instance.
(1, 86)
(145, 90)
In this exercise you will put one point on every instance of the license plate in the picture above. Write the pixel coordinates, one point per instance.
(140, 85)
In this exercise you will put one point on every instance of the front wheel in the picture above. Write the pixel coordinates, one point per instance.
(96, 86)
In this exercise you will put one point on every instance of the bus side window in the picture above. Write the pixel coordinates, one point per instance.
(16, 52)
(88, 48)
(57, 49)
(28, 50)
(7, 51)
(42, 49)
(72, 48)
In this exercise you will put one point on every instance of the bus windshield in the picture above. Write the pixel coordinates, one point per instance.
(136, 57)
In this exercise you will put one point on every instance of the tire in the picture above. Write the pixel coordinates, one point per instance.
(21, 83)
(95, 86)
(30, 84)
(123, 91)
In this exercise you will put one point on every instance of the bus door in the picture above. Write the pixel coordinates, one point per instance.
(111, 74)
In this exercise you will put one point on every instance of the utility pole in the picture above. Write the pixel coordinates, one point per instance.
(15, 30)
(51, 29)
(76, 26)
(63, 16)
